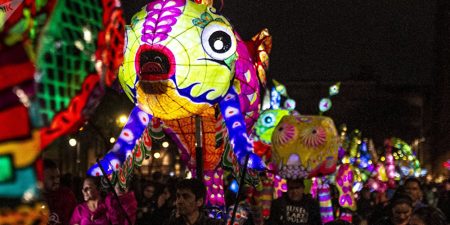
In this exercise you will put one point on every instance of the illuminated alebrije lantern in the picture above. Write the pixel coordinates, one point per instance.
(408, 162)
(305, 146)
(326, 207)
(267, 122)
(344, 183)
(182, 59)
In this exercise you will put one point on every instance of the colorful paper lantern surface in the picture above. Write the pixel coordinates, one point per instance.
(344, 184)
(308, 142)
(267, 122)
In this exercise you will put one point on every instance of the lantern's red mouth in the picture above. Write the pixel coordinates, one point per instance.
(155, 64)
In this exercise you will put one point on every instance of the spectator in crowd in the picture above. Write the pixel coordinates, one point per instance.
(147, 203)
(365, 203)
(99, 211)
(165, 205)
(413, 187)
(61, 200)
(443, 203)
(153, 205)
(359, 220)
(380, 209)
(190, 197)
(428, 215)
(399, 211)
(295, 208)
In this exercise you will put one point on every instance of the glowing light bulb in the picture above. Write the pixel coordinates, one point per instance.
(72, 142)
(122, 120)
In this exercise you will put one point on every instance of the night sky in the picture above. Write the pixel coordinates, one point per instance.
(382, 51)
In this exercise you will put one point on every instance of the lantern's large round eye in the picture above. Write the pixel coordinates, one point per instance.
(268, 120)
(218, 40)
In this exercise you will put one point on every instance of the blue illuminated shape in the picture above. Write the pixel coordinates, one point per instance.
(186, 92)
(325, 104)
(275, 99)
(234, 186)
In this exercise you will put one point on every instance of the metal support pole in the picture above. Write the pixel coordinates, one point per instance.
(241, 184)
(199, 147)
(78, 160)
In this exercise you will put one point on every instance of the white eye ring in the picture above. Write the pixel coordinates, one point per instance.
(218, 40)
(268, 120)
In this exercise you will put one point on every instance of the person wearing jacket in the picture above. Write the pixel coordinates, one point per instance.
(61, 200)
(190, 199)
(97, 210)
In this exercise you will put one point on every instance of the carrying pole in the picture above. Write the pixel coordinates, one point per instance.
(199, 147)
(241, 186)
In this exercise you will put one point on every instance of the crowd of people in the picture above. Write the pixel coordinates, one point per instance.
(175, 201)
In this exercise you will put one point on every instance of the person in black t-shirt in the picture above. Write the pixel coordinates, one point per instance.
(295, 207)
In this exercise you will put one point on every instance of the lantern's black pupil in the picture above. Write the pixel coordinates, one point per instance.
(220, 36)
(268, 119)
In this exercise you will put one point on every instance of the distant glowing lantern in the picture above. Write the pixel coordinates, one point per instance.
(72, 142)
(305, 144)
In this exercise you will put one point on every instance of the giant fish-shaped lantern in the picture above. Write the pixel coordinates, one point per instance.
(182, 59)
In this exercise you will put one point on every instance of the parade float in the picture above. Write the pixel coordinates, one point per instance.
(193, 78)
